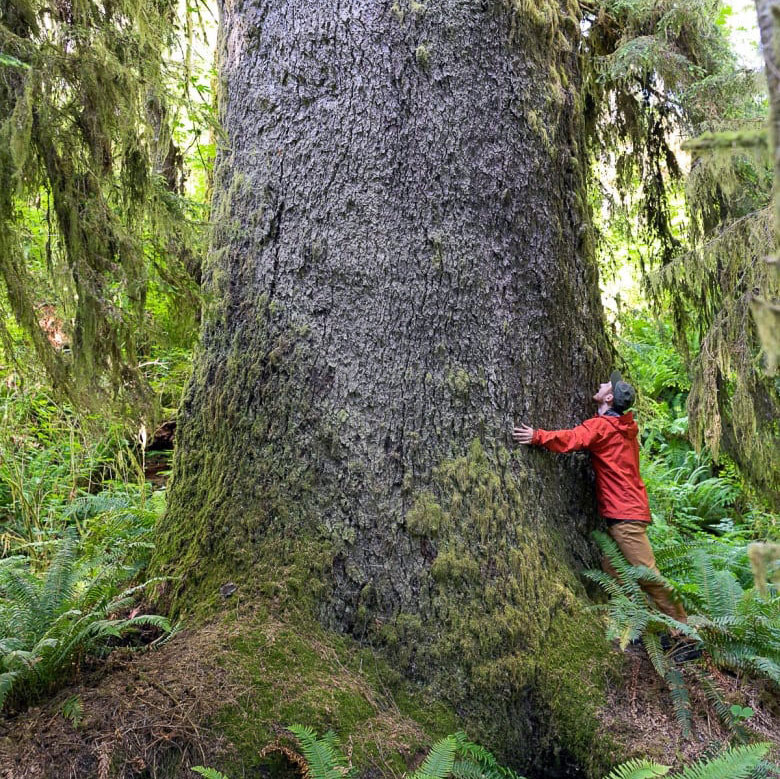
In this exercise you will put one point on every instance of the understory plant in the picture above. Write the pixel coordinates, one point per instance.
(51, 620)
(59, 469)
(743, 762)
(455, 757)
(738, 626)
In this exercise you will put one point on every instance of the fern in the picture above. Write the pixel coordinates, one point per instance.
(209, 773)
(452, 756)
(739, 628)
(716, 700)
(638, 769)
(680, 699)
(325, 759)
(50, 622)
(439, 761)
(736, 763)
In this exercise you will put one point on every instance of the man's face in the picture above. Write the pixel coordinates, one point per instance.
(604, 395)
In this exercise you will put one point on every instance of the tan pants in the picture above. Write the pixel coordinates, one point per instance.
(631, 537)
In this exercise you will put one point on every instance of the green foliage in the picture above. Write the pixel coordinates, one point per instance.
(741, 713)
(710, 286)
(659, 71)
(703, 519)
(452, 756)
(638, 769)
(50, 621)
(740, 630)
(439, 762)
(630, 618)
(73, 710)
(59, 470)
(94, 223)
(323, 755)
(655, 68)
(209, 773)
(456, 756)
(688, 491)
(737, 763)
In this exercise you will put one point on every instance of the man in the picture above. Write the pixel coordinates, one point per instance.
(611, 439)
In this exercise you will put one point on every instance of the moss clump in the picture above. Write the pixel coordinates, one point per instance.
(571, 689)
(455, 567)
(426, 517)
(423, 55)
(296, 672)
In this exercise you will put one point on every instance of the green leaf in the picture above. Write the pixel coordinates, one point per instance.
(440, 760)
(638, 769)
(73, 710)
(209, 773)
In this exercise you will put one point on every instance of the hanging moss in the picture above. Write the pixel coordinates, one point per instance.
(87, 148)
(712, 285)
(654, 72)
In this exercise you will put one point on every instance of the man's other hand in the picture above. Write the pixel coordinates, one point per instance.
(523, 434)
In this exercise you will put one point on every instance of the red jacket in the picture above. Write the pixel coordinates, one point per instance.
(612, 443)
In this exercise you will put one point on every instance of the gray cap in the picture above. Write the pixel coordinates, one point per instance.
(623, 394)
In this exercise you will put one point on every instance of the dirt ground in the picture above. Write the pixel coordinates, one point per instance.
(141, 714)
(639, 713)
(147, 715)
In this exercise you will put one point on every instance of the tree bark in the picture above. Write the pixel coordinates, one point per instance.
(400, 270)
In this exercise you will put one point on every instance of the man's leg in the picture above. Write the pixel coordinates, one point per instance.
(631, 537)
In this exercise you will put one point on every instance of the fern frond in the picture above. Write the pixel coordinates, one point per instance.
(209, 773)
(722, 709)
(652, 644)
(322, 755)
(627, 579)
(467, 769)
(439, 761)
(680, 699)
(735, 763)
(638, 769)
(7, 680)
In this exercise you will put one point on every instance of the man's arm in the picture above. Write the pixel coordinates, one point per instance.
(581, 437)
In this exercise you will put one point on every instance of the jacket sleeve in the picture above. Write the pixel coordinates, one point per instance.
(581, 437)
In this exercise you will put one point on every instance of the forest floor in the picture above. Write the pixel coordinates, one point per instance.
(160, 712)
(639, 713)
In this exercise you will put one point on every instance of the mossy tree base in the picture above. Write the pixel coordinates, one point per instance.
(219, 694)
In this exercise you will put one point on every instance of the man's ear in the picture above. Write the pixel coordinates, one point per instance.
(609, 398)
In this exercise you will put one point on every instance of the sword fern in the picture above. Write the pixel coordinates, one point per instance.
(52, 621)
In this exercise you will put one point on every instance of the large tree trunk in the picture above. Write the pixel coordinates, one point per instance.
(400, 270)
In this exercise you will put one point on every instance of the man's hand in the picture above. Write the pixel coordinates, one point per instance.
(523, 434)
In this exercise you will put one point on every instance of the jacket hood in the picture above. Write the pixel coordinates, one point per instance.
(625, 424)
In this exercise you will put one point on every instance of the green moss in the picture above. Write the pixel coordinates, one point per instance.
(572, 693)
(423, 55)
(217, 529)
(460, 382)
(455, 567)
(296, 672)
(426, 517)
